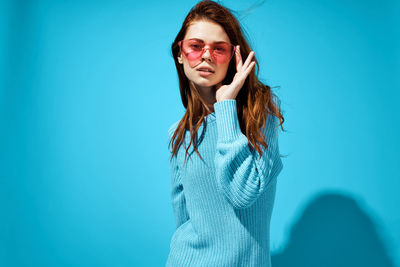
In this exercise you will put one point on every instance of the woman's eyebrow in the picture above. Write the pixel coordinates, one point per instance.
(213, 42)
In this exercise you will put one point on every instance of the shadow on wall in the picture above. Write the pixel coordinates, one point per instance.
(333, 231)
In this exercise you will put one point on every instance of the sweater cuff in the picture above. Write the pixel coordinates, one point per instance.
(227, 120)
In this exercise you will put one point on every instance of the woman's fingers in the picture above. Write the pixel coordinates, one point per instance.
(238, 57)
(244, 73)
(243, 70)
(248, 59)
(240, 65)
(249, 68)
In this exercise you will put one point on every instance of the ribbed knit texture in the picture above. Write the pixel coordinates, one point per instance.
(223, 205)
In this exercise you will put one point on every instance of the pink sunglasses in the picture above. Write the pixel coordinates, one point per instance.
(193, 50)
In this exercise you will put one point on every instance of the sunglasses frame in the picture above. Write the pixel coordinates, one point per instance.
(210, 47)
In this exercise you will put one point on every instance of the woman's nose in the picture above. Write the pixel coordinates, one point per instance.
(206, 53)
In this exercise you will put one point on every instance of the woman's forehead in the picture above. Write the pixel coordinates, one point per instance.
(206, 31)
(205, 41)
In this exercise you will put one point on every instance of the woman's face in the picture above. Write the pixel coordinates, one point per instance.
(209, 32)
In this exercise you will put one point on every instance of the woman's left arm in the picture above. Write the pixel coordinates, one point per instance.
(241, 174)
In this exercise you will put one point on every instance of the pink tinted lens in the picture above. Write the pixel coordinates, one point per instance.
(193, 50)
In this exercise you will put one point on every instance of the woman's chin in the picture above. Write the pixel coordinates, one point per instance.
(205, 84)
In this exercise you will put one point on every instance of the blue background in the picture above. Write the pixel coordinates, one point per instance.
(89, 89)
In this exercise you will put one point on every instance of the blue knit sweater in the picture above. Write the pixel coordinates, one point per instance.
(223, 205)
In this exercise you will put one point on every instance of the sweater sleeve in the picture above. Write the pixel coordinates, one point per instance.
(242, 176)
(177, 194)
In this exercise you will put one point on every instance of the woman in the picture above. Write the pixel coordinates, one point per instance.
(222, 196)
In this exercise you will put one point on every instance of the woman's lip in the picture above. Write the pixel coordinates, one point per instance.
(205, 73)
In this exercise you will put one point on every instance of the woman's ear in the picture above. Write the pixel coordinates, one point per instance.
(180, 58)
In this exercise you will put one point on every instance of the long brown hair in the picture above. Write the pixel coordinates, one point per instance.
(254, 101)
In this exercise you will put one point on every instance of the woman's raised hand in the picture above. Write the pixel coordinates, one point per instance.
(230, 91)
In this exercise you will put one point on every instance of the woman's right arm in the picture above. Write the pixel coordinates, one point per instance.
(178, 200)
